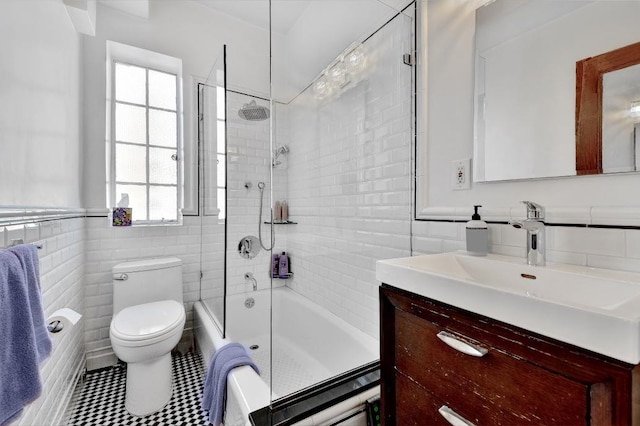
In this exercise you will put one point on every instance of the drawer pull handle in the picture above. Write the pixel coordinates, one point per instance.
(462, 346)
(452, 417)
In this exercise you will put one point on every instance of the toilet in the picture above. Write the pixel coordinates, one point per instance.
(148, 320)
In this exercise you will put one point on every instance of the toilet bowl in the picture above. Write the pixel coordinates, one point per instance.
(143, 337)
(147, 324)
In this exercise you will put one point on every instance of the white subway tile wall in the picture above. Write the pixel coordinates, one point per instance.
(595, 247)
(107, 246)
(252, 165)
(350, 180)
(61, 273)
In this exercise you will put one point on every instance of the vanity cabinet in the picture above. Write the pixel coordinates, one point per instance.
(439, 362)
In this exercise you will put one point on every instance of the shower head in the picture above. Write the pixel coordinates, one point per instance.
(282, 149)
(253, 112)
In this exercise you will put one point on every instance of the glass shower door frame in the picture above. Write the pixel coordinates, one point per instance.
(212, 145)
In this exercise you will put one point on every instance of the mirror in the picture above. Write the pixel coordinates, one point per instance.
(607, 96)
(525, 85)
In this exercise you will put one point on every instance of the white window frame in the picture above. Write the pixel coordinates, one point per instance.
(121, 53)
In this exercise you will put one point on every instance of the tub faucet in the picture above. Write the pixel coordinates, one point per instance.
(534, 225)
(249, 276)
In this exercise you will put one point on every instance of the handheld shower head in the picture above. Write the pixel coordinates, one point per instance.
(282, 149)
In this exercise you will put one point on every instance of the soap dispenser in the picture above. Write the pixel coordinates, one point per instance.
(477, 234)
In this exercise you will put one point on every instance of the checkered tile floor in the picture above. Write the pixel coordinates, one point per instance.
(99, 401)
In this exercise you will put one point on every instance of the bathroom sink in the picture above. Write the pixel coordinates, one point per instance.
(595, 309)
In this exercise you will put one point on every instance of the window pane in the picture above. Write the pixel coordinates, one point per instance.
(162, 90)
(162, 168)
(163, 202)
(221, 169)
(130, 84)
(131, 124)
(162, 128)
(131, 163)
(137, 199)
(221, 203)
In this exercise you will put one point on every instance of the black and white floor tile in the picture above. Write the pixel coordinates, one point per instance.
(99, 401)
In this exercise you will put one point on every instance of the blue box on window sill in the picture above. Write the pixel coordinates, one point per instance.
(121, 216)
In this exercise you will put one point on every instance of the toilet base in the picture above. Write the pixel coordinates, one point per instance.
(149, 386)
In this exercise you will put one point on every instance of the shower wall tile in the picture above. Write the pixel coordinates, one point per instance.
(349, 183)
(107, 246)
(252, 165)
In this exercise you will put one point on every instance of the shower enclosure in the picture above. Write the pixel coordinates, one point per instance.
(331, 138)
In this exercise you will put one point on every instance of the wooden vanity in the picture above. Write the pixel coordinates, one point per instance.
(439, 362)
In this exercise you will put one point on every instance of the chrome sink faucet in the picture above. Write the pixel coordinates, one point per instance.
(534, 225)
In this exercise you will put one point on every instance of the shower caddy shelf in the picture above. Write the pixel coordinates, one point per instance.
(282, 222)
(289, 276)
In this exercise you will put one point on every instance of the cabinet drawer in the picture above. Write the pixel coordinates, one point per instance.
(496, 388)
(416, 406)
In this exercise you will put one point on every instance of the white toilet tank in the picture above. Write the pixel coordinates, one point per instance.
(148, 280)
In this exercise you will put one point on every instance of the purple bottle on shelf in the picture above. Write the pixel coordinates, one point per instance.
(283, 269)
(275, 265)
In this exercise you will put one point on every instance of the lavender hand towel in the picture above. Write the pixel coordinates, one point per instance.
(27, 254)
(225, 359)
(19, 353)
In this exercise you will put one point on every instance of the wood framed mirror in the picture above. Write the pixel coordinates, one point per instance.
(589, 95)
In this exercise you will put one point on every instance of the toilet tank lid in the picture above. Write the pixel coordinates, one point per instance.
(147, 265)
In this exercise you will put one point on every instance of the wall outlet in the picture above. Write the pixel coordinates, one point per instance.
(461, 174)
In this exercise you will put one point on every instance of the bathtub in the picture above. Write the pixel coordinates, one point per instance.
(310, 345)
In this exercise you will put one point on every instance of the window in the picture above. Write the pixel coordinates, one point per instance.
(145, 143)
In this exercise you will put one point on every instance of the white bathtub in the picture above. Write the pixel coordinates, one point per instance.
(310, 344)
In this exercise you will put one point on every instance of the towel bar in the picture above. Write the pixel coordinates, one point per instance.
(17, 241)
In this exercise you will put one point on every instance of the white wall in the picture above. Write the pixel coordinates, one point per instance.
(350, 182)
(447, 134)
(40, 83)
(40, 166)
(61, 274)
(179, 28)
(248, 150)
(448, 99)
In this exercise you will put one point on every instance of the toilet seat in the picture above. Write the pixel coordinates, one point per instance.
(147, 323)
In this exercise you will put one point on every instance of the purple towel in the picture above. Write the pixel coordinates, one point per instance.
(225, 359)
(28, 256)
(23, 342)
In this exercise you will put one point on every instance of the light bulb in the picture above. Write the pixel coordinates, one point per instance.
(337, 75)
(634, 109)
(321, 87)
(355, 61)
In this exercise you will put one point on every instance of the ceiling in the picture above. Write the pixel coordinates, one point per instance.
(285, 13)
(310, 34)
